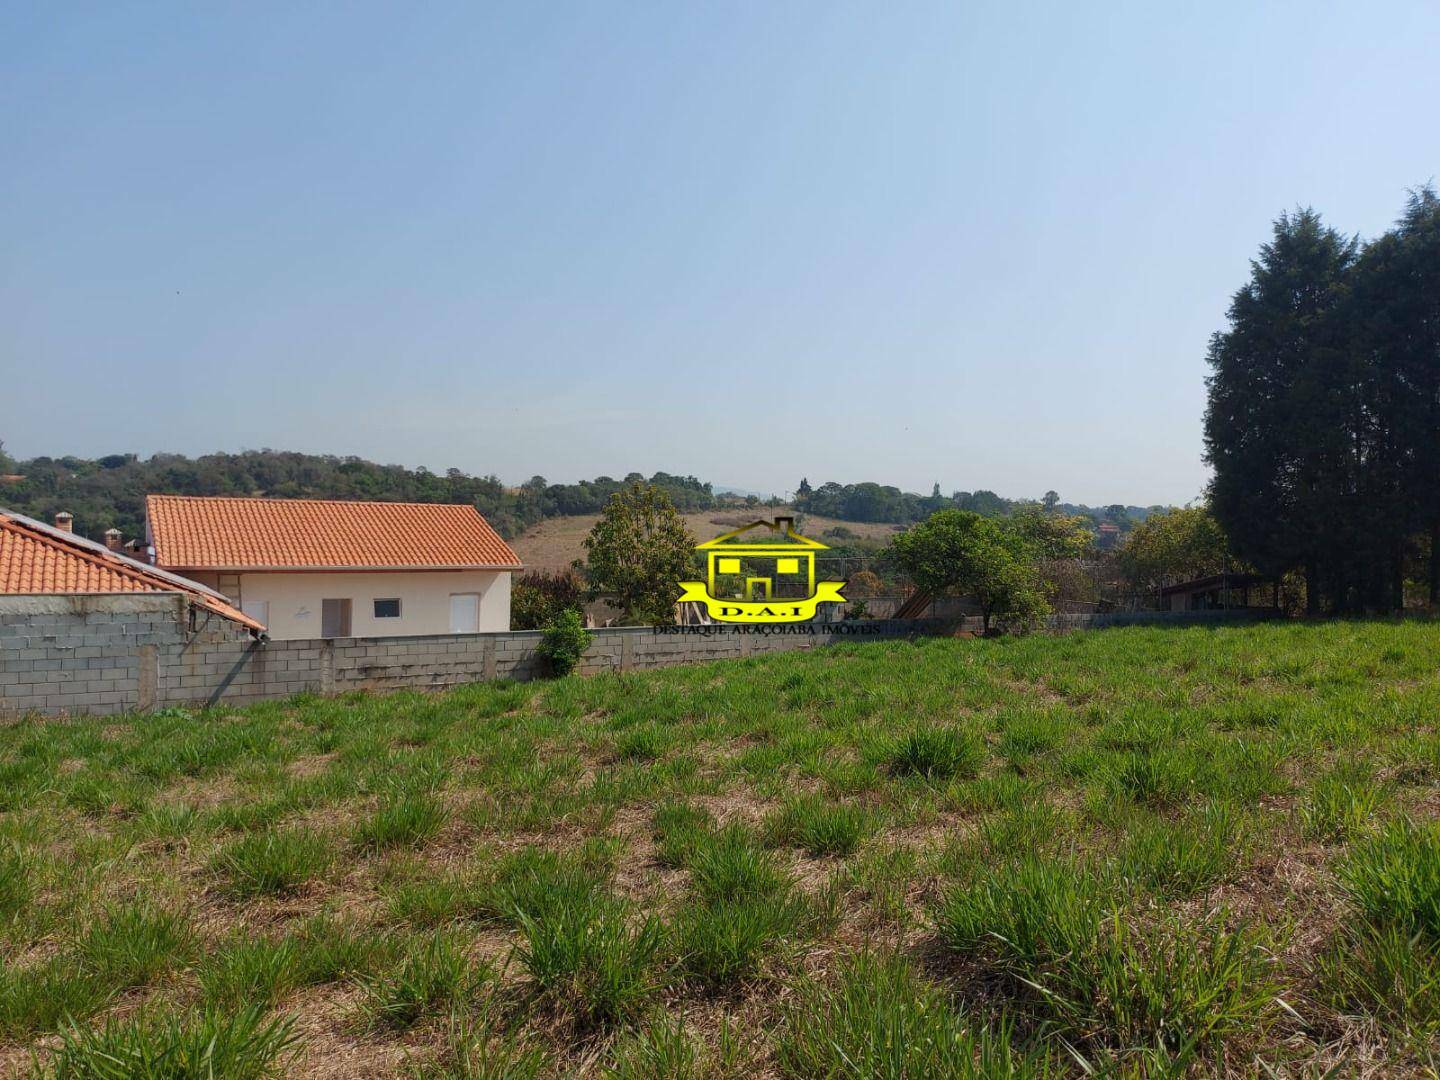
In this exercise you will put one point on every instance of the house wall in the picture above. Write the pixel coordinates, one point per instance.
(295, 600)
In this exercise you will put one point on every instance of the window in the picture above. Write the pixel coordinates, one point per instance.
(729, 566)
(387, 609)
(787, 566)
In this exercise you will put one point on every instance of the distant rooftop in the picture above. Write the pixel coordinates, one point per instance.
(205, 533)
(40, 559)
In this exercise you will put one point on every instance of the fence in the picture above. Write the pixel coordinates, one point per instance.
(109, 653)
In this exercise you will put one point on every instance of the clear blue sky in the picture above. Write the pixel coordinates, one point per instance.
(982, 244)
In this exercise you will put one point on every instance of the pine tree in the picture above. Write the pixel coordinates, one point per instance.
(1278, 426)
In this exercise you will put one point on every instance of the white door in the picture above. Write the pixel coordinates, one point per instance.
(464, 613)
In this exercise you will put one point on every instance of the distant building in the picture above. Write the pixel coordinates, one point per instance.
(1219, 592)
(312, 568)
(37, 559)
(1107, 537)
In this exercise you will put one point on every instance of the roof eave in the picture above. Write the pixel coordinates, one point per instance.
(345, 569)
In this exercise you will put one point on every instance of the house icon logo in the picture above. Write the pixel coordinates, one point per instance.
(763, 572)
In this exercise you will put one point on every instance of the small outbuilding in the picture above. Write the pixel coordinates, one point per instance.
(324, 568)
(1219, 592)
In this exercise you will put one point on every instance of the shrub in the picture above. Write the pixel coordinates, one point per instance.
(564, 642)
(538, 597)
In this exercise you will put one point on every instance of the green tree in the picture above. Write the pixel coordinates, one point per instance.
(1051, 501)
(993, 560)
(1175, 546)
(1280, 415)
(638, 552)
(1395, 311)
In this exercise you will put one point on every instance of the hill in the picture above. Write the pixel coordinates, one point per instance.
(557, 542)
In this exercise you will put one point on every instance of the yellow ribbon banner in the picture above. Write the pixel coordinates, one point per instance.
(763, 611)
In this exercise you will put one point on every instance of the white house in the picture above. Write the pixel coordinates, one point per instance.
(313, 568)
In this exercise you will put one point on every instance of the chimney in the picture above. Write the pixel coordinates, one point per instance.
(114, 539)
(65, 521)
(784, 525)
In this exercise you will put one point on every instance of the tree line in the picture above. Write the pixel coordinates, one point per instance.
(110, 491)
(882, 503)
(1323, 421)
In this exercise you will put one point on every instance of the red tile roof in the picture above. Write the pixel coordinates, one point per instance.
(319, 534)
(37, 559)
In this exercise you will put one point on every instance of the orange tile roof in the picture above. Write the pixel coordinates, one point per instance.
(202, 533)
(37, 559)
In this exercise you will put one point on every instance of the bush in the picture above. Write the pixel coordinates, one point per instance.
(564, 642)
(539, 597)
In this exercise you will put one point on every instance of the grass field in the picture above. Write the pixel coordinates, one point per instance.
(1126, 852)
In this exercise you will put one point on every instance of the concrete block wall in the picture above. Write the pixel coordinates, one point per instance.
(84, 653)
(109, 653)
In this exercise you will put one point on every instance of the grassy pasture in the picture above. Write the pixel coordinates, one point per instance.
(1137, 852)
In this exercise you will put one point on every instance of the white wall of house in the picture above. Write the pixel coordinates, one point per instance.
(291, 604)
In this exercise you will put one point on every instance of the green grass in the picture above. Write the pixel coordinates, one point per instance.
(241, 1045)
(880, 1020)
(592, 956)
(404, 819)
(433, 976)
(132, 944)
(1141, 852)
(1394, 878)
(818, 825)
(937, 753)
(1059, 932)
(1178, 859)
(273, 862)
